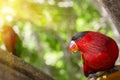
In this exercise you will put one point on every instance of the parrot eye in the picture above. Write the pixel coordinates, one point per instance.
(79, 35)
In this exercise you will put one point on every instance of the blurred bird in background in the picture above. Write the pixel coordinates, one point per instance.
(11, 41)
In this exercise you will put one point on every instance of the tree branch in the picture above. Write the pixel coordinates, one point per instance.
(106, 75)
(13, 68)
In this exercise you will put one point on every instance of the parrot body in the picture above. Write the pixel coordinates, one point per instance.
(11, 40)
(99, 52)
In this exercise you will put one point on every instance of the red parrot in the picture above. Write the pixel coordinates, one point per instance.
(99, 52)
(11, 40)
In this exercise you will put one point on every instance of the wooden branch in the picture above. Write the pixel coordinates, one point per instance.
(111, 74)
(14, 68)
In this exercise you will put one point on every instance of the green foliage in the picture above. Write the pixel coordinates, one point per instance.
(46, 28)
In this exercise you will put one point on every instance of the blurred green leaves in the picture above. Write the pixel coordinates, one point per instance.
(46, 27)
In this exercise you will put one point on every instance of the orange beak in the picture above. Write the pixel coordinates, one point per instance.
(73, 47)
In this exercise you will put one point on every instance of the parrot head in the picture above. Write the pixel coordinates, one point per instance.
(73, 47)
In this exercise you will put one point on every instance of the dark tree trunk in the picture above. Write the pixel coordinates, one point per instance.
(113, 9)
(13, 68)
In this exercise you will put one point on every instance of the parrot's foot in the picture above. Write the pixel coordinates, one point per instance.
(114, 69)
(102, 73)
(96, 75)
(92, 77)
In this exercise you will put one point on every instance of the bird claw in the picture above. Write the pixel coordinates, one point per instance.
(92, 77)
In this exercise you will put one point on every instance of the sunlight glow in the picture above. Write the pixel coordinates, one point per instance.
(51, 2)
(3, 47)
(16, 29)
(11, 0)
(65, 4)
(47, 15)
(7, 10)
(39, 1)
(9, 18)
